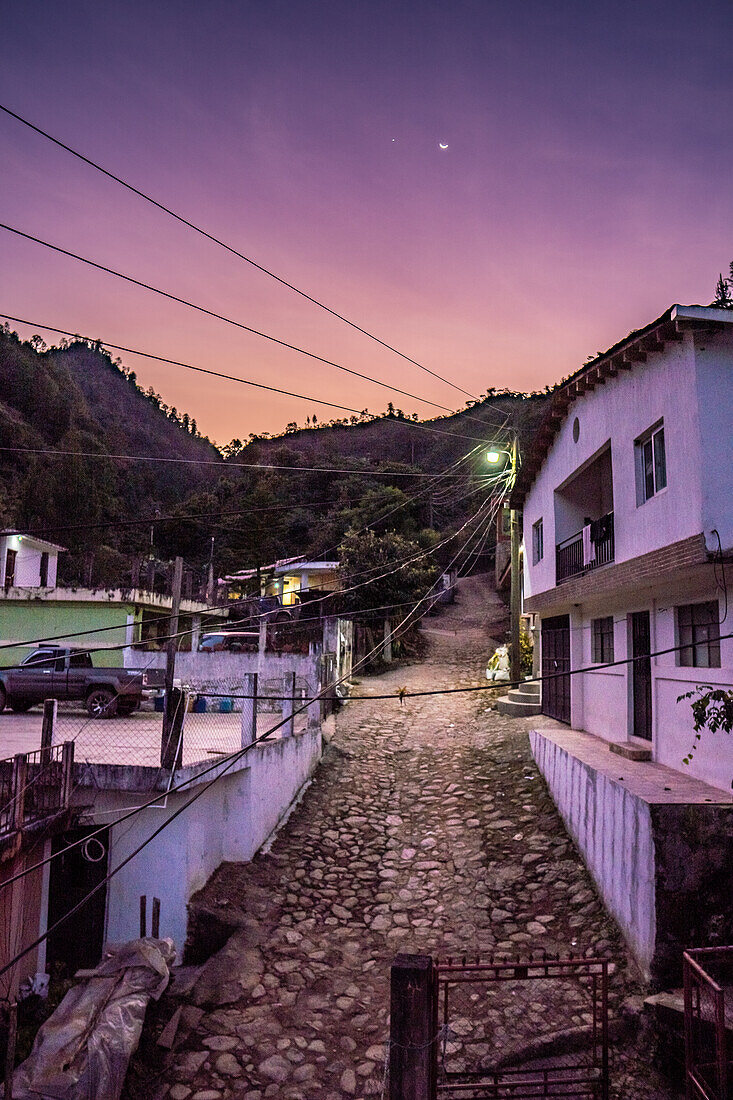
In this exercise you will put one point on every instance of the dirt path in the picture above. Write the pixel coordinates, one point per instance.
(427, 829)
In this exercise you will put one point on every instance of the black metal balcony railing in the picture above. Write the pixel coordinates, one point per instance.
(569, 552)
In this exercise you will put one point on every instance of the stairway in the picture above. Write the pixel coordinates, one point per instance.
(521, 701)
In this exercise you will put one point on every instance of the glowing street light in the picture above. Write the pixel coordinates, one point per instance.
(494, 457)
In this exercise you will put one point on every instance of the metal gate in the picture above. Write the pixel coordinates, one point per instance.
(523, 1028)
(708, 981)
(555, 661)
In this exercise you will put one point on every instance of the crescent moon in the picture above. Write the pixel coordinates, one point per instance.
(441, 146)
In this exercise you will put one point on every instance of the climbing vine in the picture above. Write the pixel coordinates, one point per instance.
(712, 709)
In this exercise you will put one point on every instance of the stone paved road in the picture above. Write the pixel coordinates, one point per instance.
(427, 829)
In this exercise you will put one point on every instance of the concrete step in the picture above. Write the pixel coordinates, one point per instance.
(531, 687)
(514, 709)
(519, 695)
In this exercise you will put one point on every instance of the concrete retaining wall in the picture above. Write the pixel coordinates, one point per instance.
(230, 821)
(613, 832)
(658, 846)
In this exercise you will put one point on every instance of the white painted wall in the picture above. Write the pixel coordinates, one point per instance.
(601, 699)
(28, 561)
(713, 374)
(203, 670)
(613, 831)
(665, 387)
(231, 821)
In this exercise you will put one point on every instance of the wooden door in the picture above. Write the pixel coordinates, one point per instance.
(641, 675)
(556, 659)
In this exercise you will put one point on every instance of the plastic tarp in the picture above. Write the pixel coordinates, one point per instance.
(83, 1050)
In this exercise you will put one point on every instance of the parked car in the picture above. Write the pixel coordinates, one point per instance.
(229, 641)
(53, 672)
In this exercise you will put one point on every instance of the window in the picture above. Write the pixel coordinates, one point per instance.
(602, 638)
(651, 464)
(80, 660)
(42, 657)
(44, 569)
(698, 630)
(538, 546)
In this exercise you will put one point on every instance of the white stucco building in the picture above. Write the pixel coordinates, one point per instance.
(627, 498)
(639, 448)
(27, 562)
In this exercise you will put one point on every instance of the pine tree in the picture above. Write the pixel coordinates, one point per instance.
(723, 298)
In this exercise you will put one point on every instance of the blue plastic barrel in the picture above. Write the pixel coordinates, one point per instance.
(226, 706)
(199, 704)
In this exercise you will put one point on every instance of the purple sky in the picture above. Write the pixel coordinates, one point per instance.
(587, 185)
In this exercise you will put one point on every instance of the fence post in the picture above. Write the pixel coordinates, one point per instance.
(288, 705)
(249, 708)
(50, 710)
(387, 651)
(20, 773)
(413, 1028)
(67, 772)
(314, 710)
(171, 745)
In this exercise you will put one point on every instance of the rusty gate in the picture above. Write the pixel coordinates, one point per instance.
(708, 987)
(535, 1027)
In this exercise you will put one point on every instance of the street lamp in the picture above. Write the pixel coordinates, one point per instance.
(494, 457)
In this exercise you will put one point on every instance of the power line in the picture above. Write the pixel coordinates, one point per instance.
(234, 757)
(218, 607)
(221, 317)
(188, 516)
(224, 466)
(228, 248)
(241, 381)
(394, 568)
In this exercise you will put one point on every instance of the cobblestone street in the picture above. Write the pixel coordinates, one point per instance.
(426, 829)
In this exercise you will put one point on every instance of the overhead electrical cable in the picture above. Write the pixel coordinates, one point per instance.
(224, 466)
(227, 320)
(218, 607)
(229, 248)
(242, 381)
(227, 761)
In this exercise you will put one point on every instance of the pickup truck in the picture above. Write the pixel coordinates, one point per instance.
(53, 672)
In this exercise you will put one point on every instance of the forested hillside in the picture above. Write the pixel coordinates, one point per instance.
(77, 398)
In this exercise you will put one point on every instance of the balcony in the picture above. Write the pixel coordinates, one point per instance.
(569, 557)
(34, 787)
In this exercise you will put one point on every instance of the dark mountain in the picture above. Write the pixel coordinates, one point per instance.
(77, 398)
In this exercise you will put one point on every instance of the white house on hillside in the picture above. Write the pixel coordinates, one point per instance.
(628, 527)
(628, 524)
(27, 562)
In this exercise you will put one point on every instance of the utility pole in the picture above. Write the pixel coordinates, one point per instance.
(210, 576)
(515, 595)
(173, 712)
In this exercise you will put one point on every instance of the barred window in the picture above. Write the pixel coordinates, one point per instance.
(698, 629)
(602, 636)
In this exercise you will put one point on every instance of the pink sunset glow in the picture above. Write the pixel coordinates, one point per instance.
(585, 187)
